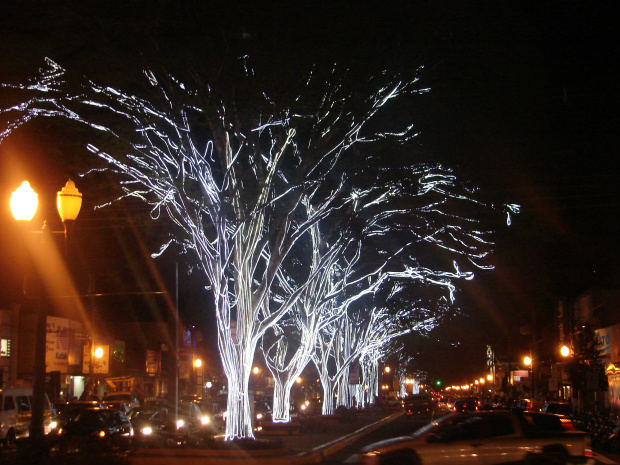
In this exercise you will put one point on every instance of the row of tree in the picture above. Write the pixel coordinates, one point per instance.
(320, 236)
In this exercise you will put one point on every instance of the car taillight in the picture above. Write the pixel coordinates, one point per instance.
(567, 424)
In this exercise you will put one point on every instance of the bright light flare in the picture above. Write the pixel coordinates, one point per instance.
(24, 201)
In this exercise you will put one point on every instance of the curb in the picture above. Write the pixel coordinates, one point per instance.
(281, 457)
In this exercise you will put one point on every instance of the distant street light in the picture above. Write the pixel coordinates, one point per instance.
(24, 202)
(527, 360)
(199, 377)
(565, 351)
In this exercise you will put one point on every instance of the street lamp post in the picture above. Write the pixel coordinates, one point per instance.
(24, 203)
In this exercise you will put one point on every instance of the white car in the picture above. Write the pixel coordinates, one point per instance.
(484, 438)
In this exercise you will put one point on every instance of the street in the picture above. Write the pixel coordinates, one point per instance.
(403, 426)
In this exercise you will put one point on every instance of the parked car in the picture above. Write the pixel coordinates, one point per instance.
(529, 405)
(390, 402)
(94, 430)
(15, 414)
(560, 408)
(489, 438)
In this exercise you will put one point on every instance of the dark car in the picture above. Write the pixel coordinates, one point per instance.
(418, 405)
(98, 430)
(118, 405)
(192, 426)
(212, 413)
(148, 423)
(559, 408)
(466, 405)
(68, 411)
(127, 397)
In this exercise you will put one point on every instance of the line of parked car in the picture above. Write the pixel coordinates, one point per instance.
(113, 425)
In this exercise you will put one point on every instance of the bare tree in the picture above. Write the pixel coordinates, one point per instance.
(397, 214)
(230, 170)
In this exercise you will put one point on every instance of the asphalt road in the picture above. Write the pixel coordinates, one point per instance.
(403, 426)
(400, 426)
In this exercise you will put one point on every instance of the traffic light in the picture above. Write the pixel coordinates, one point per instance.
(438, 383)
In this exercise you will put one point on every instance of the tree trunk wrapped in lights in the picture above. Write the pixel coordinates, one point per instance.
(230, 169)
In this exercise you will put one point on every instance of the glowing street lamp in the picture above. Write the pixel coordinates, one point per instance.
(528, 361)
(24, 202)
(564, 351)
(199, 376)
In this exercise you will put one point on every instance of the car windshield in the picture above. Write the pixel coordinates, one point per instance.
(142, 413)
(93, 417)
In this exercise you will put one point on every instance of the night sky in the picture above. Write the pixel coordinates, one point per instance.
(524, 102)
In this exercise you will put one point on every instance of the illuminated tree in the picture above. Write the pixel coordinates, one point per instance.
(404, 215)
(231, 168)
(289, 345)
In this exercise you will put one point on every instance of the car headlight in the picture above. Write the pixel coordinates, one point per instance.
(147, 430)
(204, 420)
(259, 416)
